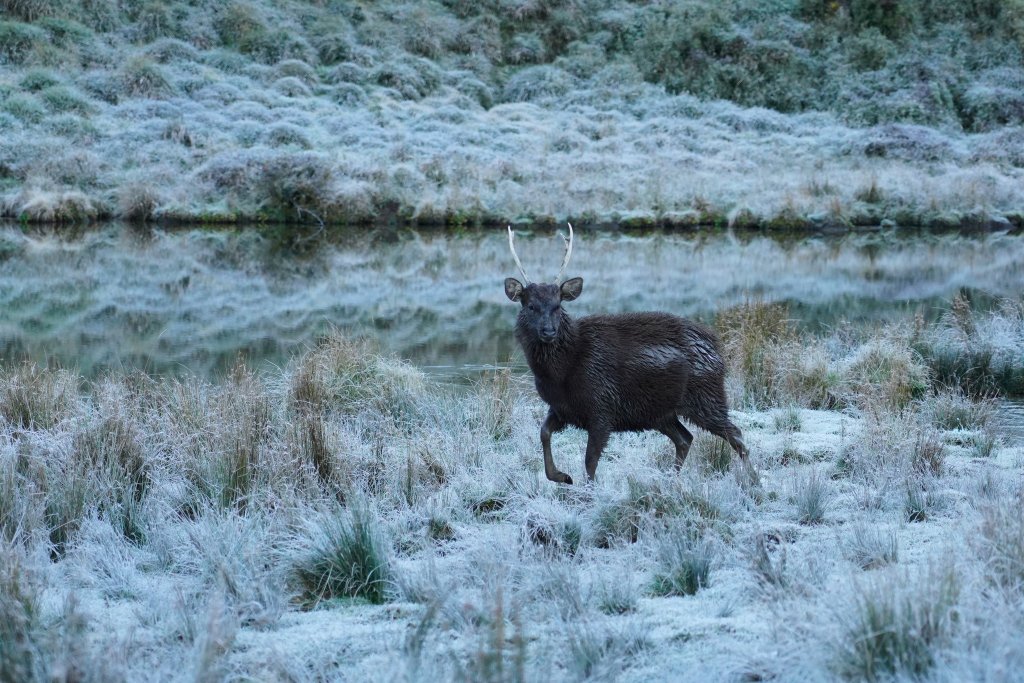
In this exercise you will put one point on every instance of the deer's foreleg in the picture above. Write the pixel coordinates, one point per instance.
(551, 425)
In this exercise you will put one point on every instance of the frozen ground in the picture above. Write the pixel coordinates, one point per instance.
(344, 519)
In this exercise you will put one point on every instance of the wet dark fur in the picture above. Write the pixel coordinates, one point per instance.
(628, 372)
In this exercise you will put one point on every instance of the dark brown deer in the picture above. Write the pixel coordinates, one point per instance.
(616, 373)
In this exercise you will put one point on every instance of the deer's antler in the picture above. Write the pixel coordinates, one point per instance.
(568, 254)
(512, 246)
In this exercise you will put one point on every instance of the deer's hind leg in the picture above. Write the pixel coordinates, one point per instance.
(680, 436)
(732, 434)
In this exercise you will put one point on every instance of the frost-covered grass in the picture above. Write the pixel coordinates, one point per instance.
(344, 517)
(790, 115)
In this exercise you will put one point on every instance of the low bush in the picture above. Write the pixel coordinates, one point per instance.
(17, 40)
(537, 83)
(886, 373)
(1002, 545)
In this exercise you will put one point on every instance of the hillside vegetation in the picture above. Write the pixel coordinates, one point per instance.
(780, 114)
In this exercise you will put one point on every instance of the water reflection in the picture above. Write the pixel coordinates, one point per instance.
(195, 301)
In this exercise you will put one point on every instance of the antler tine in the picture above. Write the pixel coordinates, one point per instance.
(568, 254)
(512, 246)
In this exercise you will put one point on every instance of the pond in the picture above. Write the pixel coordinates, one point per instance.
(194, 301)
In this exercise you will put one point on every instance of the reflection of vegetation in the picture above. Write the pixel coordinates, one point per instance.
(196, 301)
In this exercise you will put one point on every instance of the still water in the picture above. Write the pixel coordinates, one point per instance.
(194, 301)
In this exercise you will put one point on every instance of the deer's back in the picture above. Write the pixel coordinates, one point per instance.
(632, 369)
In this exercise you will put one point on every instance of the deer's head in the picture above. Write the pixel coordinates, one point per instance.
(541, 303)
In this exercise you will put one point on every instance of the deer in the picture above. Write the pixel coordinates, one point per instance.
(608, 373)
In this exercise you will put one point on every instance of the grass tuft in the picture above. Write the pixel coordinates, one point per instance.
(1002, 545)
(346, 556)
(683, 563)
(870, 548)
(36, 398)
(812, 499)
(896, 629)
(751, 334)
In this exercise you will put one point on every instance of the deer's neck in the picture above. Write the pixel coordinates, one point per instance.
(552, 360)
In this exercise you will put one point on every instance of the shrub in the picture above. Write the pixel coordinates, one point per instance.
(172, 50)
(25, 107)
(346, 375)
(17, 40)
(497, 398)
(333, 40)
(695, 48)
(601, 651)
(60, 98)
(346, 556)
(870, 50)
(683, 563)
(537, 83)
(953, 409)
(296, 68)
(110, 450)
(980, 354)
(770, 571)
(141, 77)
(618, 595)
(35, 80)
(787, 420)
(137, 201)
(289, 86)
(892, 19)
(714, 454)
(52, 206)
(887, 373)
(20, 621)
(413, 78)
(929, 454)
(348, 95)
(918, 502)
(154, 20)
(287, 135)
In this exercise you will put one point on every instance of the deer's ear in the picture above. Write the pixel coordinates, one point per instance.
(513, 289)
(571, 289)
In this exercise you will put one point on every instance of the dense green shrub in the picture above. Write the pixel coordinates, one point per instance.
(17, 40)
(537, 82)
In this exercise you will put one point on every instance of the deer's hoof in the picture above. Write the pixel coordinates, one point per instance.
(566, 479)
